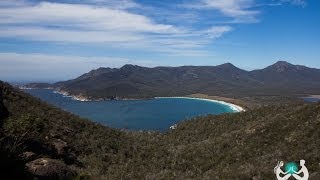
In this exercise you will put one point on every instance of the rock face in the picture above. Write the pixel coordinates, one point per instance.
(62, 150)
(28, 155)
(60, 146)
(46, 168)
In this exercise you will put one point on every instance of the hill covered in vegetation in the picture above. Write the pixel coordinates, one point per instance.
(38, 139)
(130, 81)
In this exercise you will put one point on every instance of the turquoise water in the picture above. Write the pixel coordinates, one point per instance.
(153, 114)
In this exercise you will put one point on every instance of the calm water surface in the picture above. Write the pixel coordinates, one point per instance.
(154, 114)
(311, 99)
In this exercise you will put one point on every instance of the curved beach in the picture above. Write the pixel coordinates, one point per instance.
(234, 107)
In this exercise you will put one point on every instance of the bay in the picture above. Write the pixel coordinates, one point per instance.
(152, 114)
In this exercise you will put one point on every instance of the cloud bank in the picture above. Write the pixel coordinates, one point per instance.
(43, 67)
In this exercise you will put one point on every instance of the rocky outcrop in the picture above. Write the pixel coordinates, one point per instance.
(60, 146)
(28, 156)
(62, 151)
(46, 168)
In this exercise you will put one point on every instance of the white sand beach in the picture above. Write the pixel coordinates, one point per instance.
(234, 107)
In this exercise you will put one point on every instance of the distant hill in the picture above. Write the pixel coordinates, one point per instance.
(131, 81)
(39, 85)
(53, 144)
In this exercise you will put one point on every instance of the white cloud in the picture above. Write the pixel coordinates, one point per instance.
(217, 31)
(233, 8)
(238, 9)
(189, 43)
(73, 36)
(110, 25)
(117, 4)
(295, 2)
(10, 3)
(83, 23)
(81, 16)
(44, 67)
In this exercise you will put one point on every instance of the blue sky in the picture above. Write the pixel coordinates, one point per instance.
(61, 39)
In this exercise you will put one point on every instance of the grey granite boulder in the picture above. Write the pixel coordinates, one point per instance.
(46, 168)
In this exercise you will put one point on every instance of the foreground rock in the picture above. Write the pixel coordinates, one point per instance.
(27, 156)
(60, 146)
(46, 168)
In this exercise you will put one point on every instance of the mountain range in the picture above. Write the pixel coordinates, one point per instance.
(132, 81)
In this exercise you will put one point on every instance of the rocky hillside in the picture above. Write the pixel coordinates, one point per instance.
(47, 142)
(40, 140)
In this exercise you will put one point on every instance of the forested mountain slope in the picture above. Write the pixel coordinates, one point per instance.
(244, 145)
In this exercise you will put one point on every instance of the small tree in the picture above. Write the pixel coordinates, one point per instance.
(19, 129)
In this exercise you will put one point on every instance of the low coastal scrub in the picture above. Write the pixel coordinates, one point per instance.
(244, 145)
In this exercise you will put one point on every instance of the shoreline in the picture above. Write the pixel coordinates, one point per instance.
(232, 106)
(73, 97)
(313, 96)
(82, 98)
(22, 87)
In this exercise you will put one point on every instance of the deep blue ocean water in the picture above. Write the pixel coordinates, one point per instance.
(153, 114)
